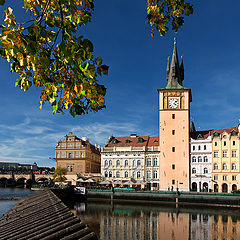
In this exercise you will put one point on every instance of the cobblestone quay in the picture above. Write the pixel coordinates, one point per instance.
(42, 216)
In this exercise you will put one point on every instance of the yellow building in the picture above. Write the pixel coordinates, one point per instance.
(225, 160)
(174, 114)
(77, 155)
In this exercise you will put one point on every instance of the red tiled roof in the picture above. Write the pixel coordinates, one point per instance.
(227, 130)
(204, 134)
(153, 141)
(93, 149)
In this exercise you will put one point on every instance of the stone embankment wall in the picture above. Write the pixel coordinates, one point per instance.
(42, 216)
(170, 197)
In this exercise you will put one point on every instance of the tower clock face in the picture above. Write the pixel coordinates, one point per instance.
(173, 103)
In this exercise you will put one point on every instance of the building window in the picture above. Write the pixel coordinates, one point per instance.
(106, 163)
(215, 144)
(234, 166)
(173, 116)
(205, 170)
(224, 143)
(134, 163)
(173, 166)
(215, 154)
(215, 166)
(199, 147)
(155, 162)
(224, 166)
(138, 163)
(149, 162)
(193, 148)
(173, 132)
(118, 163)
(106, 174)
(224, 153)
(126, 174)
(224, 178)
(138, 174)
(77, 154)
(110, 162)
(173, 149)
(126, 163)
(173, 182)
(234, 153)
(110, 174)
(69, 155)
(205, 147)
(205, 159)
(118, 174)
(133, 174)
(215, 177)
(234, 143)
(194, 159)
(234, 178)
(149, 174)
(68, 168)
(199, 159)
(155, 174)
(194, 170)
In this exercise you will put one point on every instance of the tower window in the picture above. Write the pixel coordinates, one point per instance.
(173, 149)
(224, 143)
(173, 166)
(173, 132)
(234, 143)
(173, 182)
(173, 116)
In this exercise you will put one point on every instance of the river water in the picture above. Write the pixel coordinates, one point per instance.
(146, 221)
(155, 222)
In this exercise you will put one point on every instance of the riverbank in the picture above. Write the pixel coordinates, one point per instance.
(179, 198)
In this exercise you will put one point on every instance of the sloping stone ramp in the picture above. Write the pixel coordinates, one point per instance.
(42, 216)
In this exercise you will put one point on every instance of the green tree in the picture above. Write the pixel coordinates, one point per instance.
(59, 175)
(48, 52)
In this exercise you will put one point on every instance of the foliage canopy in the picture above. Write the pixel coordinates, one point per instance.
(47, 51)
(59, 175)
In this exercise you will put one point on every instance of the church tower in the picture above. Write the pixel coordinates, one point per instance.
(174, 114)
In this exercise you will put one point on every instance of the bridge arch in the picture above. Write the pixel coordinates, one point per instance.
(20, 182)
(3, 182)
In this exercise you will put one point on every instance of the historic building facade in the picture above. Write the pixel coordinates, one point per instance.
(77, 155)
(201, 160)
(132, 160)
(174, 115)
(225, 159)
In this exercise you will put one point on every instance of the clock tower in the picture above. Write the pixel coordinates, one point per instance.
(174, 114)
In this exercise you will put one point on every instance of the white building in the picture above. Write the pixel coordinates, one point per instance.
(200, 160)
(132, 161)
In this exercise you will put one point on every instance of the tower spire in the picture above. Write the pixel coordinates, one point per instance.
(175, 73)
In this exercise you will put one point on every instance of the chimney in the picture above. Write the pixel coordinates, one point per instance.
(133, 135)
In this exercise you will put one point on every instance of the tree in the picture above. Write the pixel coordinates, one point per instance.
(47, 51)
(59, 175)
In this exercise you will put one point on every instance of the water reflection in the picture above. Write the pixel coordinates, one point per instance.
(143, 222)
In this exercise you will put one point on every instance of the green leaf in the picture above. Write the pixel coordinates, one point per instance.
(18, 82)
(55, 106)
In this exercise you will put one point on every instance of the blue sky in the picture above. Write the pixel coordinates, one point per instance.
(209, 43)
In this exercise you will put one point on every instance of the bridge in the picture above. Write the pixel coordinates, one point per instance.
(19, 179)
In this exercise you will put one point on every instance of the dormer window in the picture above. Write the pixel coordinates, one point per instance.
(216, 134)
(140, 140)
(127, 141)
(233, 133)
(114, 141)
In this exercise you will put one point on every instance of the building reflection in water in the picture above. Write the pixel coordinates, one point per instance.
(128, 222)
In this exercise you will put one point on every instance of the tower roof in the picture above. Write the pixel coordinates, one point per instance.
(175, 73)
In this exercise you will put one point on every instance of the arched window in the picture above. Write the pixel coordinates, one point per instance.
(126, 174)
(106, 163)
(155, 174)
(118, 163)
(133, 174)
(149, 162)
(234, 166)
(126, 163)
(118, 174)
(134, 163)
(205, 159)
(68, 168)
(110, 174)
(193, 159)
(139, 163)
(224, 166)
(70, 155)
(194, 170)
(205, 170)
(215, 166)
(149, 174)
(110, 162)
(138, 174)
(199, 159)
(106, 174)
